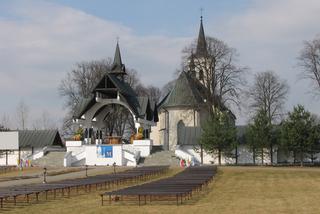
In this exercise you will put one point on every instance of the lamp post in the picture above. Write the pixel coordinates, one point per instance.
(114, 167)
(44, 175)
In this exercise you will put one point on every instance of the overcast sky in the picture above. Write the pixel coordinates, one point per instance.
(40, 41)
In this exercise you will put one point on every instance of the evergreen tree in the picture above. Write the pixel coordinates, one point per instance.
(300, 134)
(258, 135)
(219, 135)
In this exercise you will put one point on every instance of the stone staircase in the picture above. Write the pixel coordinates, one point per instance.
(160, 158)
(51, 159)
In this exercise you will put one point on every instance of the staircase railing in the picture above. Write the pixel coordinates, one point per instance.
(70, 159)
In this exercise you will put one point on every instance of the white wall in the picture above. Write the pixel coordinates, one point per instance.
(74, 146)
(9, 140)
(92, 157)
(12, 158)
(156, 134)
(244, 155)
(188, 151)
(143, 146)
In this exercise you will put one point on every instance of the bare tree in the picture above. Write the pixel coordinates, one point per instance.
(44, 122)
(167, 88)
(309, 60)
(22, 114)
(78, 84)
(80, 81)
(268, 93)
(218, 72)
(5, 121)
(4, 124)
(266, 98)
(154, 93)
(132, 78)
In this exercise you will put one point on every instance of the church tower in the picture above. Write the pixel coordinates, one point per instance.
(118, 67)
(198, 60)
(201, 50)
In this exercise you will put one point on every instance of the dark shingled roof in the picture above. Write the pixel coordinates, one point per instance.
(137, 104)
(111, 84)
(143, 103)
(122, 85)
(39, 138)
(117, 66)
(186, 92)
(83, 106)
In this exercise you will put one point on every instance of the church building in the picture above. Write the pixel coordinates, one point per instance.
(183, 111)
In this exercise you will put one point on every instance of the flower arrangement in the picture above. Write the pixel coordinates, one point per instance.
(137, 136)
(78, 135)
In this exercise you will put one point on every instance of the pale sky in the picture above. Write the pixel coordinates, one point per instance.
(41, 40)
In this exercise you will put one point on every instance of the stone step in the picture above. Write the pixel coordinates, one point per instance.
(51, 159)
(160, 158)
(157, 148)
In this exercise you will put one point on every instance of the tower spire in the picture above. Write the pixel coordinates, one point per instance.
(201, 50)
(117, 55)
(117, 66)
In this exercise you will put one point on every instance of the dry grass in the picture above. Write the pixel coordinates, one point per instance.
(235, 190)
(21, 172)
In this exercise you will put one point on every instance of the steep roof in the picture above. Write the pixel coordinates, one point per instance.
(39, 138)
(83, 106)
(113, 84)
(117, 66)
(186, 92)
(201, 50)
(141, 106)
(122, 85)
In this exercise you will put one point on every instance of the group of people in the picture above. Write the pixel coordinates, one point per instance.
(24, 163)
(186, 163)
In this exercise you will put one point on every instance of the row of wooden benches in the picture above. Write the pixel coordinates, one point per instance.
(64, 188)
(178, 187)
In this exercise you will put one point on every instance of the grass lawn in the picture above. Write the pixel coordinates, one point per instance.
(234, 190)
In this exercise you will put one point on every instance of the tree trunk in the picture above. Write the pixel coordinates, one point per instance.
(236, 155)
(219, 156)
(301, 159)
(201, 153)
(271, 154)
(262, 161)
(254, 156)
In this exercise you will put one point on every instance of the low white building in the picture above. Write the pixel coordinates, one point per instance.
(79, 153)
(16, 147)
